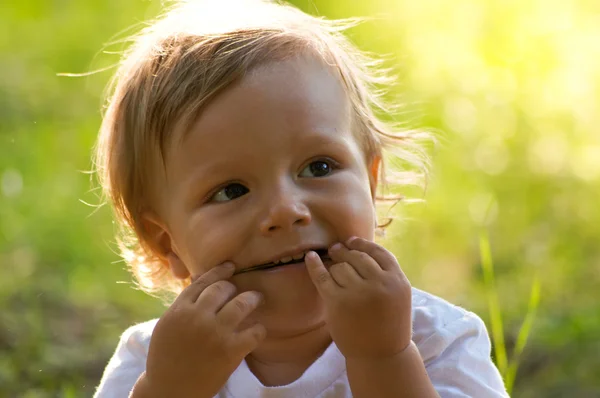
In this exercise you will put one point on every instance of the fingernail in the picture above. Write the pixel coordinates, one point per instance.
(227, 265)
(351, 239)
(336, 246)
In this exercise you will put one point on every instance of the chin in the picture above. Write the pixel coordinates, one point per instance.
(292, 312)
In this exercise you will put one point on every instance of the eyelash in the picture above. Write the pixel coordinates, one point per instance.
(332, 164)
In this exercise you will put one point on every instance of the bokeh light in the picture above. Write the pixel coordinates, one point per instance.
(510, 88)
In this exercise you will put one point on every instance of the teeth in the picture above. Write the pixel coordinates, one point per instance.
(285, 259)
(298, 256)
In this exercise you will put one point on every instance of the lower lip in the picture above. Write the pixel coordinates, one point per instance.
(281, 268)
(294, 266)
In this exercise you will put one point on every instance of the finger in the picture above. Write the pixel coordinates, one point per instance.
(383, 257)
(220, 272)
(344, 274)
(215, 296)
(318, 274)
(364, 264)
(248, 339)
(236, 310)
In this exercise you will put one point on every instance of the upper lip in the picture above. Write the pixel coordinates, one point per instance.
(291, 252)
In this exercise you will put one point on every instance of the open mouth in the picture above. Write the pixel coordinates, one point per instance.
(321, 252)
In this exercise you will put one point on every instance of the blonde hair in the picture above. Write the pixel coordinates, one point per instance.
(180, 62)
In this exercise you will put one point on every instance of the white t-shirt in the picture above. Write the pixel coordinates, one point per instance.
(453, 343)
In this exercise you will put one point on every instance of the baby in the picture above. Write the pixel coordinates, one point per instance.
(242, 154)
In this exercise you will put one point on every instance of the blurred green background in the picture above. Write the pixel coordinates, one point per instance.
(511, 87)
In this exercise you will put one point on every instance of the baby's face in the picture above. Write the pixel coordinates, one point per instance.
(270, 170)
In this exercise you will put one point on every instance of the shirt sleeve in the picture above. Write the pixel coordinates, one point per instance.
(127, 363)
(457, 357)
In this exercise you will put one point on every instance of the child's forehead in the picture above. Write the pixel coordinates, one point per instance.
(291, 107)
(299, 94)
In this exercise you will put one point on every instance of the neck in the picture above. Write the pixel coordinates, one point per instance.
(280, 360)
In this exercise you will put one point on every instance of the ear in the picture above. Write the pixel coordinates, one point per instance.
(374, 175)
(162, 244)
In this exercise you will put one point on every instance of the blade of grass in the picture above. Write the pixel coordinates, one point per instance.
(524, 332)
(493, 304)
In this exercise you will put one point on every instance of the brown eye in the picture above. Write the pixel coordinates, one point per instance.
(318, 168)
(229, 192)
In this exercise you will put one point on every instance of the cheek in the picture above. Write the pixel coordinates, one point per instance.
(352, 212)
(207, 242)
(362, 218)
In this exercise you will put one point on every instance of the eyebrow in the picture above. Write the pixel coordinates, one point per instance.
(325, 138)
(311, 140)
(193, 183)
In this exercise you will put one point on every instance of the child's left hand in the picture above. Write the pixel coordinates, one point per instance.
(367, 299)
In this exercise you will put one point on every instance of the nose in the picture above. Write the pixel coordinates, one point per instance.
(284, 211)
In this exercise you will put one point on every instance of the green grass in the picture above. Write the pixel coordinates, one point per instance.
(513, 86)
(507, 366)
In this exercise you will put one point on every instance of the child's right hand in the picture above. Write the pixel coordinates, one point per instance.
(196, 345)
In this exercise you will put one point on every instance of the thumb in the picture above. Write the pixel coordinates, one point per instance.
(318, 274)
